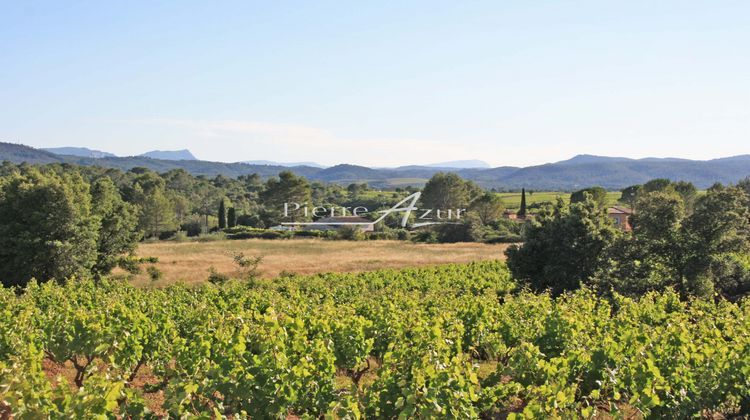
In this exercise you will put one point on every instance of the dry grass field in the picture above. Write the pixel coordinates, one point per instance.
(190, 261)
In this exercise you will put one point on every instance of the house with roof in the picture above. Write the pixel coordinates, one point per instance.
(335, 223)
(621, 216)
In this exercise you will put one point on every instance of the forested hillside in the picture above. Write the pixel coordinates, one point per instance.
(576, 173)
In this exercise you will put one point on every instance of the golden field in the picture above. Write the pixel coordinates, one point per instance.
(190, 261)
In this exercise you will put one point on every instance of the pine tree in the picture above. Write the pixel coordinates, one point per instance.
(222, 215)
(522, 210)
(231, 217)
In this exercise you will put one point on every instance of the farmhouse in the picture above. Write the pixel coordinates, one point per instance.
(335, 223)
(621, 217)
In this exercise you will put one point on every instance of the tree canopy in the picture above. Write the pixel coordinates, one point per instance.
(47, 227)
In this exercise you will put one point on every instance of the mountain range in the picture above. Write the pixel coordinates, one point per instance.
(97, 154)
(286, 164)
(579, 172)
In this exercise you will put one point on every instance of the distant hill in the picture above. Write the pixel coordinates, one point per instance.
(349, 173)
(78, 151)
(170, 155)
(285, 164)
(616, 173)
(461, 164)
(19, 153)
(578, 172)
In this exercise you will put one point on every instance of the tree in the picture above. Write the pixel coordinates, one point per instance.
(180, 204)
(487, 208)
(208, 197)
(562, 246)
(156, 211)
(717, 227)
(222, 215)
(658, 184)
(658, 218)
(695, 254)
(650, 258)
(688, 192)
(47, 229)
(629, 194)
(356, 189)
(231, 217)
(522, 210)
(447, 191)
(287, 188)
(599, 195)
(744, 184)
(118, 232)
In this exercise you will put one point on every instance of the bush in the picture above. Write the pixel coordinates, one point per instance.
(214, 277)
(731, 274)
(247, 266)
(314, 233)
(508, 238)
(350, 233)
(403, 234)
(192, 228)
(180, 236)
(211, 237)
(250, 220)
(132, 264)
(154, 273)
(427, 236)
(451, 233)
(244, 232)
(167, 235)
(380, 236)
(275, 234)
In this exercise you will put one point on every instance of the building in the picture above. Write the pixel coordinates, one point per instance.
(621, 217)
(335, 223)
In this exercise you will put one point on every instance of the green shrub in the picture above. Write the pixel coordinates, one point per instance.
(154, 273)
(214, 277)
(181, 236)
(350, 233)
(212, 237)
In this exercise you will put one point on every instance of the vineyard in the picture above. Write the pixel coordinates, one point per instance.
(455, 341)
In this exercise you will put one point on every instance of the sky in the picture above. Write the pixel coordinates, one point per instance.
(379, 83)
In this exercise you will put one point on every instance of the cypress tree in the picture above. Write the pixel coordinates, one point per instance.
(522, 210)
(231, 217)
(222, 215)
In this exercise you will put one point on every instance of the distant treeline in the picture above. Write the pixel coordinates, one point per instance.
(60, 220)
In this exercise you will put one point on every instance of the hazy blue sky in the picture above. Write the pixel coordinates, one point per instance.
(379, 83)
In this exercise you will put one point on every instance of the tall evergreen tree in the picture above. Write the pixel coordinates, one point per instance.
(232, 217)
(522, 210)
(222, 215)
